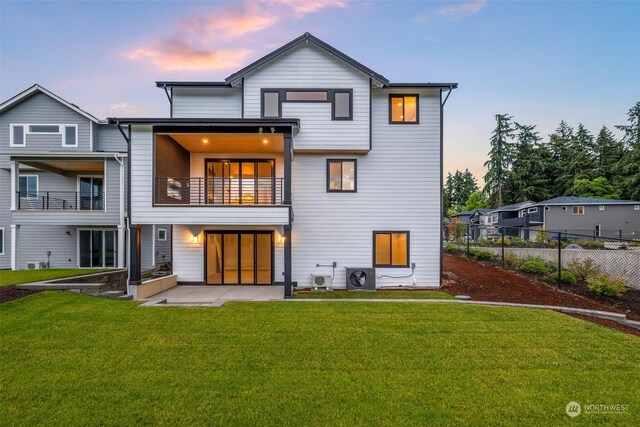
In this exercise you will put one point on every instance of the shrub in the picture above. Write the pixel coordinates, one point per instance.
(511, 260)
(603, 285)
(567, 277)
(454, 249)
(534, 266)
(480, 254)
(585, 269)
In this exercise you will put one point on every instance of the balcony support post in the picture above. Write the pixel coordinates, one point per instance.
(135, 238)
(288, 157)
(15, 238)
(286, 200)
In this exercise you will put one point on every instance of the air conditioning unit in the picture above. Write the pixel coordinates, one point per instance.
(361, 279)
(35, 265)
(322, 281)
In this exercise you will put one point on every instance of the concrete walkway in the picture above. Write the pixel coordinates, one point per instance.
(215, 295)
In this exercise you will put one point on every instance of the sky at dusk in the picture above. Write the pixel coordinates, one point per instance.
(538, 61)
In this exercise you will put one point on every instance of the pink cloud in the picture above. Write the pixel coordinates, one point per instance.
(173, 55)
(460, 9)
(303, 7)
(230, 23)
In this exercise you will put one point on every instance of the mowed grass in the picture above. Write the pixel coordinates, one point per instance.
(16, 277)
(69, 359)
(385, 294)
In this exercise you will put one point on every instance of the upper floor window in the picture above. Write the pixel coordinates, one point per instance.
(403, 109)
(342, 175)
(67, 133)
(532, 210)
(577, 210)
(636, 207)
(391, 249)
(340, 99)
(28, 185)
(601, 208)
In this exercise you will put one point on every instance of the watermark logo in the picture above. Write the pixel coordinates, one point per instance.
(573, 409)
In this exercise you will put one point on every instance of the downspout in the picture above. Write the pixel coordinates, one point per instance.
(127, 137)
(121, 163)
(170, 97)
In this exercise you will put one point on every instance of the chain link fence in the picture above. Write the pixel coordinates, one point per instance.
(608, 265)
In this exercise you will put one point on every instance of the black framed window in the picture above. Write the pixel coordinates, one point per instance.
(271, 105)
(390, 249)
(403, 109)
(342, 175)
(342, 106)
(341, 101)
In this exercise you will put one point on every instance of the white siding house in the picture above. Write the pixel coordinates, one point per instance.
(252, 191)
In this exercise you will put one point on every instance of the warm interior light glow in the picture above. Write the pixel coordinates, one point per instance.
(194, 238)
(205, 140)
(265, 141)
(281, 239)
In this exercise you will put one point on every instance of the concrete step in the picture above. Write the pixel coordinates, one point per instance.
(111, 294)
(125, 297)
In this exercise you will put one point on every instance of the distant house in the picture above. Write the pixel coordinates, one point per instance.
(578, 215)
(476, 220)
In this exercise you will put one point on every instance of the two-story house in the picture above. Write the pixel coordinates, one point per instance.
(302, 159)
(63, 176)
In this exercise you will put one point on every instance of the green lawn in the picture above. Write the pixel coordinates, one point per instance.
(386, 294)
(15, 277)
(69, 359)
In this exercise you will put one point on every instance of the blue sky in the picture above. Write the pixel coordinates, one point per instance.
(538, 61)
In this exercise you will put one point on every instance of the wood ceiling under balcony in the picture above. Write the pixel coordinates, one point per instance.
(230, 143)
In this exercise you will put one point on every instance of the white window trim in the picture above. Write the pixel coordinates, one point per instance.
(2, 240)
(532, 210)
(26, 175)
(575, 210)
(636, 207)
(64, 135)
(25, 126)
(601, 207)
(24, 135)
(165, 234)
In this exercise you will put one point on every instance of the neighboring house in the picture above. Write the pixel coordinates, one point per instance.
(302, 159)
(62, 186)
(589, 216)
(516, 218)
(476, 220)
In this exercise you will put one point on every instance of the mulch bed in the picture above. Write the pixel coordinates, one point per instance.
(484, 282)
(10, 293)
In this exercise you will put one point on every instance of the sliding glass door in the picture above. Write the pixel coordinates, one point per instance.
(239, 258)
(240, 182)
(91, 192)
(97, 248)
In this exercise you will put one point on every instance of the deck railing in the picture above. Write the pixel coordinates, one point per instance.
(60, 200)
(218, 191)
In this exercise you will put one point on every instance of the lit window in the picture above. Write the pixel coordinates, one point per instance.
(577, 210)
(403, 109)
(341, 175)
(391, 248)
(162, 235)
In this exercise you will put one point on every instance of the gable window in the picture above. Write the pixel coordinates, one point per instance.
(342, 106)
(1, 241)
(342, 176)
(308, 96)
(17, 138)
(162, 235)
(403, 109)
(271, 107)
(70, 136)
(28, 186)
(577, 210)
(44, 129)
(390, 249)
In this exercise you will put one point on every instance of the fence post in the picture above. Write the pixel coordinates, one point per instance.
(468, 243)
(47, 200)
(620, 234)
(560, 259)
(502, 237)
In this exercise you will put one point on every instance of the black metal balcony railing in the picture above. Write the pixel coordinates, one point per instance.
(60, 200)
(218, 191)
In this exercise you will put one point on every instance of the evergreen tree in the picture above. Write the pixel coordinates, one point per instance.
(630, 165)
(528, 176)
(608, 153)
(598, 187)
(476, 200)
(559, 142)
(459, 187)
(580, 163)
(499, 160)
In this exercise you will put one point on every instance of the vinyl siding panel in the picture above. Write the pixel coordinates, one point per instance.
(163, 248)
(309, 67)
(612, 220)
(41, 109)
(5, 216)
(207, 102)
(398, 189)
(109, 139)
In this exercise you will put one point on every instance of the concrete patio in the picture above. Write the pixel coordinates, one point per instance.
(215, 295)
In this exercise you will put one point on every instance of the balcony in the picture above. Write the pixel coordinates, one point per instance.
(60, 201)
(181, 191)
(514, 222)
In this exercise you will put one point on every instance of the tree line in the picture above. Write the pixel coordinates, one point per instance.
(572, 162)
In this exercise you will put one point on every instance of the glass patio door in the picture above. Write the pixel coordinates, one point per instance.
(239, 258)
(97, 248)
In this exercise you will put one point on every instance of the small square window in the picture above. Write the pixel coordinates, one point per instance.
(342, 176)
(601, 208)
(577, 210)
(162, 235)
(636, 207)
(390, 249)
(403, 109)
(564, 208)
(547, 208)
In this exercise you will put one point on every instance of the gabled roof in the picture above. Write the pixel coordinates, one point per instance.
(571, 200)
(306, 38)
(463, 213)
(9, 103)
(513, 207)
